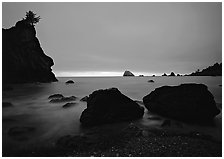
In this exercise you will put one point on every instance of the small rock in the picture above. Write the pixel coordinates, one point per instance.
(63, 99)
(68, 105)
(151, 81)
(69, 82)
(55, 96)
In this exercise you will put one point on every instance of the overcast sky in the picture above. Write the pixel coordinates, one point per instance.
(149, 38)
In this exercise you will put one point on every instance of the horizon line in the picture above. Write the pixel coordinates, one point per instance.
(103, 73)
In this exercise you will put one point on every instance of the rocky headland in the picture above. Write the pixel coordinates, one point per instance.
(215, 70)
(23, 59)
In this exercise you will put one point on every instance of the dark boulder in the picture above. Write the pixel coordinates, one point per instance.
(55, 96)
(128, 73)
(63, 99)
(150, 81)
(69, 82)
(108, 106)
(67, 105)
(186, 102)
(23, 59)
(164, 74)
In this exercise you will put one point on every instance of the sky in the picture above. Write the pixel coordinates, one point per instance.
(104, 39)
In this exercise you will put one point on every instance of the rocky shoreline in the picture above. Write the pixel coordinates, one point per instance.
(132, 141)
(124, 136)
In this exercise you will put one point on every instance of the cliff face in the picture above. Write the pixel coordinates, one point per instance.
(23, 59)
(215, 70)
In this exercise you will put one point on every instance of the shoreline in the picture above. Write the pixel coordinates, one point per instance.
(131, 141)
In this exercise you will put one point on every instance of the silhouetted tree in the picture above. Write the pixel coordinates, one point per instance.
(31, 18)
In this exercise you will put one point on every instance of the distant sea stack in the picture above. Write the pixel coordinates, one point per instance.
(23, 59)
(215, 70)
(128, 73)
(172, 74)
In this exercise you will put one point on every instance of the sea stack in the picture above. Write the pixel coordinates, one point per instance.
(128, 73)
(172, 74)
(23, 60)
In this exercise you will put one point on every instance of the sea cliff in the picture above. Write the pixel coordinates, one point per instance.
(23, 59)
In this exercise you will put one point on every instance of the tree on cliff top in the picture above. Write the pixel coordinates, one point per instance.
(31, 18)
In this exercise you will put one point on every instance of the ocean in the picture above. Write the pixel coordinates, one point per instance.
(49, 121)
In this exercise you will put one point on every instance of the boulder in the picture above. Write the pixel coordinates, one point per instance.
(108, 106)
(55, 96)
(164, 74)
(186, 102)
(63, 99)
(128, 73)
(67, 105)
(23, 59)
(69, 82)
(150, 81)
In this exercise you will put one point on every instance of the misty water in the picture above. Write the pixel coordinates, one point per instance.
(31, 107)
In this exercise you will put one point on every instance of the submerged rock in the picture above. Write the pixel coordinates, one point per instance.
(63, 99)
(55, 96)
(23, 59)
(7, 104)
(128, 73)
(69, 82)
(187, 102)
(67, 105)
(108, 106)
